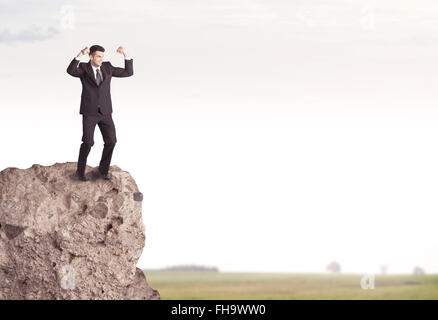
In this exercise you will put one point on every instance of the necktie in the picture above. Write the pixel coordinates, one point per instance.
(98, 77)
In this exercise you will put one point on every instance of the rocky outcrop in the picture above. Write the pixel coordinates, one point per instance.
(62, 238)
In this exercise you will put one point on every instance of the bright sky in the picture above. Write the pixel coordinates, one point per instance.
(264, 135)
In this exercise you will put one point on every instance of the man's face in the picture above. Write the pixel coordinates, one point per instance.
(96, 58)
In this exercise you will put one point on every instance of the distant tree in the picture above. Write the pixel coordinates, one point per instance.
(191, 267)
(333, 267)
(418, 270)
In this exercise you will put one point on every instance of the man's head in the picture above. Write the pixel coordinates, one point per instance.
(96, 55)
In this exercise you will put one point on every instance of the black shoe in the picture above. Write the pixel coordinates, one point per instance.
(81, 176)
(104, 175)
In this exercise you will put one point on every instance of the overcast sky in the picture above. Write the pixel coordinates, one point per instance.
(265, 135)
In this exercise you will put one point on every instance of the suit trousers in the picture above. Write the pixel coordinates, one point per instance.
(108, 130)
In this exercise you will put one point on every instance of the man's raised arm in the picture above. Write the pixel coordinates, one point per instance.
(123, 72)
(73, 68)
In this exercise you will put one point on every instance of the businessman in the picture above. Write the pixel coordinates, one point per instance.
(96, 106)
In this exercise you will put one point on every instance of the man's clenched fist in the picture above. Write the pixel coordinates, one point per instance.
(83, 51)
(122, 51)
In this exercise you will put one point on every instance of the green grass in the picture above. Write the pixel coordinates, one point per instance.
(233, 285)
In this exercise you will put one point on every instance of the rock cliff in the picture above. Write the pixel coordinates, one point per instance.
(62, 238)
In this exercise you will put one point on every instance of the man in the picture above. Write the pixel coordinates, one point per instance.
(96, 106)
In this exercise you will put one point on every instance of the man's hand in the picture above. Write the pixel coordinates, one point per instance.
(122, 51)
(83, 51)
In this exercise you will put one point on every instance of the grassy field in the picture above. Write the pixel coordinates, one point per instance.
(224, 285)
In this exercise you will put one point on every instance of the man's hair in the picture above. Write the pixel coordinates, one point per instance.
(95, 48)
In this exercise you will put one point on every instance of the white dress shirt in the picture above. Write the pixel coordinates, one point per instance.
(95, 71)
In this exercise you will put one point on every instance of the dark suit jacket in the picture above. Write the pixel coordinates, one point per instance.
(94, 96)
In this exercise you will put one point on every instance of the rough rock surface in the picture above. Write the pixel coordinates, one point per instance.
(62, 238)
